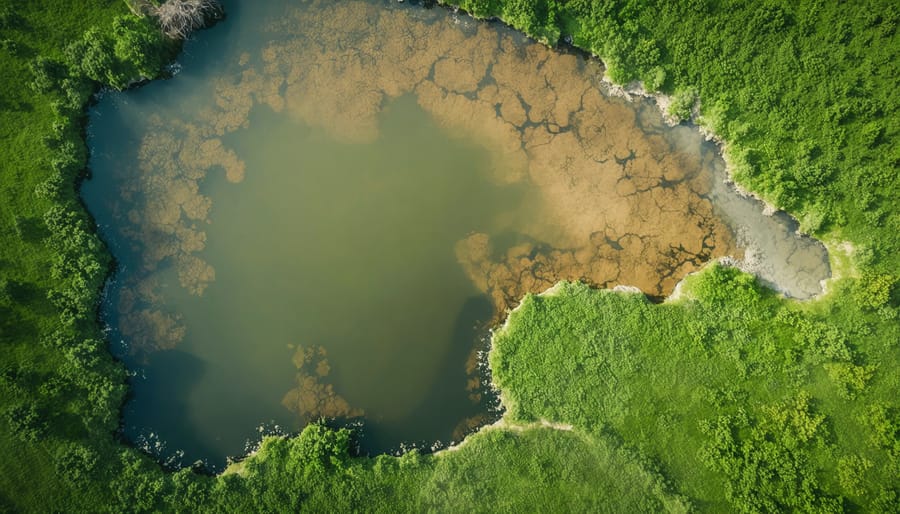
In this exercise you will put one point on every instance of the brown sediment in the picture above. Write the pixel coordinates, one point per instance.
(313, 398)
(614, 205)
(610, 204)
(165, 214)
(469, 425)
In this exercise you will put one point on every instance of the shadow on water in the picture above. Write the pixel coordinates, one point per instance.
(424, 422)
(158, 410)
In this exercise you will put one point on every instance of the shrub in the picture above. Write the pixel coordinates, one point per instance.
(51, 188)
(682, 105)
(873, 290)
(850, 378)
(75, 463)
(47, 74)
(132, 50)
(25, 422)
(851, 471)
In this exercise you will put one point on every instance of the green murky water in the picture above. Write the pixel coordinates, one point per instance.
(322, 215)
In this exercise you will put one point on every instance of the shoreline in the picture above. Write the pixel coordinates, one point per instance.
(635, 91)
(631, 92)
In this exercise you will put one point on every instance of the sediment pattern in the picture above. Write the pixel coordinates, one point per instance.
(609, 201)
(613, 204)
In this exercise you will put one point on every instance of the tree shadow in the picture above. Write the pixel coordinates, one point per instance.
(448, 405)
(157, 415)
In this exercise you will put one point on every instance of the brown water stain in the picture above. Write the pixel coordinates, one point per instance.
(611, 204)
(614, 205)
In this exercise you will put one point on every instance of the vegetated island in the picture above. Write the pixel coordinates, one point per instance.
(726, 398)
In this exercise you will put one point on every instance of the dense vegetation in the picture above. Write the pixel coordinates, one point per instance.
(727, 399)
(803, 93)
(60, 389)
(741, 396)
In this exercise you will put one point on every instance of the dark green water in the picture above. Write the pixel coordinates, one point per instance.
(323, 213)
(344, 246)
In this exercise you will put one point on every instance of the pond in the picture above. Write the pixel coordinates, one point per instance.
(325, 211)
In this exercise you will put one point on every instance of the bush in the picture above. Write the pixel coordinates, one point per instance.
(682, 105)
(850, 378)
(47, 74)
(5, 290)
(873, 290)
(767, 462)
(134, 49)
(9, 19)
(75, 463)
(851, 473)
(480, 8)
(26, 422)
(51, 188)
(724, 285)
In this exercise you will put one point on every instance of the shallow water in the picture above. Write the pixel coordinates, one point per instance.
(323, 213)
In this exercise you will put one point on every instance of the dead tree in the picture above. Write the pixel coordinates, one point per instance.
(179, 18)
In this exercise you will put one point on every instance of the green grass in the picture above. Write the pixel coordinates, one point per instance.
(75, 396)
(727, 399)
(658, 376)
(498, 470)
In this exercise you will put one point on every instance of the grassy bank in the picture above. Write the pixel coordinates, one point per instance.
(748, 402)
(60, 389)
(727, 399)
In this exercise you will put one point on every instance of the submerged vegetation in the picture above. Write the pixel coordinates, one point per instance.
(802, 93)
(729, 398)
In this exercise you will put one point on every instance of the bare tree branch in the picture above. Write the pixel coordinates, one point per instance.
(179, 18)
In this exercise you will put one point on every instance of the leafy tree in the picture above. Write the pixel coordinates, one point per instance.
(873, 290)
(480, 8)
(52, 187)
(851, 471)
(522, 14)
(139, 46)
(767, 462)
(850, 378)
(94, 57)
(133, 50)
(682, 105)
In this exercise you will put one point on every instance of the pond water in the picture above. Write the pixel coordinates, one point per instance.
(323, 214)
